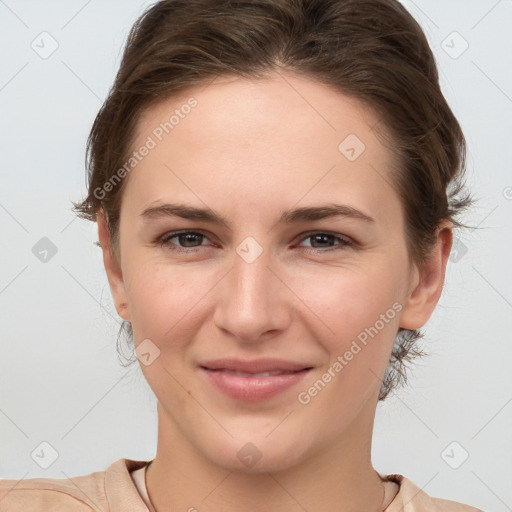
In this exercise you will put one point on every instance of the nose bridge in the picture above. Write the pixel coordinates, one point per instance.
(253, 279)
(251, 302)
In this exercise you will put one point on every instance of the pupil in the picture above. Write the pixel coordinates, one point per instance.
(189, 238)
(324, 237)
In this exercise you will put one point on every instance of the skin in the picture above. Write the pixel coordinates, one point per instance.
(249, 150)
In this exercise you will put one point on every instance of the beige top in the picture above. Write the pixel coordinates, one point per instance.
(121, 488)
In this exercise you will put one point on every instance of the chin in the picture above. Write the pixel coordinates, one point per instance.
(255, 454)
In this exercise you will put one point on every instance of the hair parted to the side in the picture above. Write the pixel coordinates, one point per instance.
(372, 50)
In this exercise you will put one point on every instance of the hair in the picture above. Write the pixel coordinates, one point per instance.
(371, 50)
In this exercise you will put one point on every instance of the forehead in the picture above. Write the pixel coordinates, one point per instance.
(282, 104)
(274, 139)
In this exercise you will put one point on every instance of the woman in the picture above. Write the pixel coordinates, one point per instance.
(275, 185)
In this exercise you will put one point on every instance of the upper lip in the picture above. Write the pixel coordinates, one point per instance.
(254, 366)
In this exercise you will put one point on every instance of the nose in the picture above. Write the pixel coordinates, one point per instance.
(252, 299)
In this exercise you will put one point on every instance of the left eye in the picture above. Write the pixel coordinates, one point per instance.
(189, 238)
(328, 237)
(183, 237)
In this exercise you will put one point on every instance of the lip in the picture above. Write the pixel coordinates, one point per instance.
(254, 366)
(253, 389)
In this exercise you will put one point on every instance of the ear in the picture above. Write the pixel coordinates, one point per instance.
(427, 282)
(112, 267)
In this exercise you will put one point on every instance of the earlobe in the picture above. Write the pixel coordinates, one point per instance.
(427, 282)
(112, 268)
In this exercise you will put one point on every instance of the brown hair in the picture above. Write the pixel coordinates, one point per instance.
(372, 50)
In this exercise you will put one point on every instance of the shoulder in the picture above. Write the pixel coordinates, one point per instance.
(80, 494)
(418, 500)
(453, 506)
(85, 493)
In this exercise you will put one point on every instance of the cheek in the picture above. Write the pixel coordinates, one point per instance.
(361, 311)
(347, 300)
(164, 299)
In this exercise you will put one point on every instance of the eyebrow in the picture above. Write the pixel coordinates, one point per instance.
(296, 215)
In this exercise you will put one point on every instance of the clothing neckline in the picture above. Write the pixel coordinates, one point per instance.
(392, 484)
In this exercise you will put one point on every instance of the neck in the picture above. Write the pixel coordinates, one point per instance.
(339, 478)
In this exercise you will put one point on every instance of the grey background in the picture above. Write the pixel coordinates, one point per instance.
(60, 379)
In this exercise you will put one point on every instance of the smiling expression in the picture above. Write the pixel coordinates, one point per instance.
(263, 225)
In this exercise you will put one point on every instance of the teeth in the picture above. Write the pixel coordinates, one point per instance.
(262, 374)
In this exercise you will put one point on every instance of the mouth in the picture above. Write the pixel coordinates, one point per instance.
(253, 381)
(259, 374)
(255, 366)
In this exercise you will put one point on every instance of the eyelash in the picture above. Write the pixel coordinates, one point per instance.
(165, 241)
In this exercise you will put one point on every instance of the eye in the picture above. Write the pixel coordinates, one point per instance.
(189, 238)
(190, 241)
(325, 238)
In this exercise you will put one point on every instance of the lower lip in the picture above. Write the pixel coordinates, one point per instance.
(252, 389)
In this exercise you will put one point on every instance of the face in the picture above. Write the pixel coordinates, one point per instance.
(318, 291)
